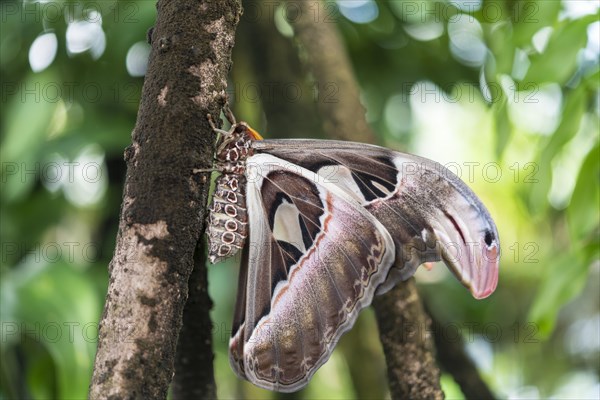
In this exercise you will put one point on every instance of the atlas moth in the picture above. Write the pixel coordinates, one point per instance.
(323, 227)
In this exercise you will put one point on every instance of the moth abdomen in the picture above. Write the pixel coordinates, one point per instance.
(228, 219)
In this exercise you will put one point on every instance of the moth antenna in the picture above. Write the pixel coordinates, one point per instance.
(229, 114)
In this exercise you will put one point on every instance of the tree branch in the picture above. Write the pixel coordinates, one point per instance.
(339, 95)
(162, 215)
(412, 371)
(194, 376)
(404, 331)
(453, 359)
(287, 96)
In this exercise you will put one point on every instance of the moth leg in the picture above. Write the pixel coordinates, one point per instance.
(229, 114)
(213, 126)
(200, 170)
(211, 122)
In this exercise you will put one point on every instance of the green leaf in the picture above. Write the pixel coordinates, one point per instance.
(502, 49)
(565, 278)
(56, 307)
(558, 61)
(593, 81)
(503, 127)
(26, 127)
(41, 381)
(574, 107)
(530, 16)
(538, 194)
(583, 213)
(23, 223)
(572, 114)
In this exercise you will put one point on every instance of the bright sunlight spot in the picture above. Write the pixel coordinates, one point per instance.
(43, 51)
(137, 59)
(86, 36)
(360, 11)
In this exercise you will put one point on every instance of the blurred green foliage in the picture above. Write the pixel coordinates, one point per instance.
(486, 87)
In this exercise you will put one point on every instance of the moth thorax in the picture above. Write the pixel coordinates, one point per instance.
(228, 219)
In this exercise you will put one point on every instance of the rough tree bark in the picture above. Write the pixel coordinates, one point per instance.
(412, 371)
(162, 215)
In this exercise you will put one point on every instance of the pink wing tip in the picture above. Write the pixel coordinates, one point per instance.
(488, 272)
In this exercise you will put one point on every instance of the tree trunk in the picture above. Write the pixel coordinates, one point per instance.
(164, 203)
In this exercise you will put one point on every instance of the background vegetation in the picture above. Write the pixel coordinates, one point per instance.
(504, 93)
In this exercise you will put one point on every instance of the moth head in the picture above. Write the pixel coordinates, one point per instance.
(243, 129)
(471, 248)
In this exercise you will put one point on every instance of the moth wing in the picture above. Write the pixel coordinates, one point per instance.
(315, 257)
(429, 212)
